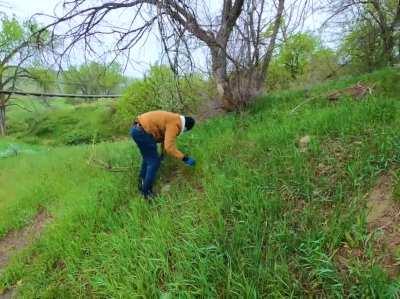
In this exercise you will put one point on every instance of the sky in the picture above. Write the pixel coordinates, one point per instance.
(144, 54)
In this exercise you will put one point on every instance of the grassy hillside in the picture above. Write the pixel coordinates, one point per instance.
(259, 215)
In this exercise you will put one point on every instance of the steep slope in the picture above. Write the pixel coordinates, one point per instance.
(260, 215)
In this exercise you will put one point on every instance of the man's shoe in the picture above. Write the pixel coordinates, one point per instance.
(149, 195)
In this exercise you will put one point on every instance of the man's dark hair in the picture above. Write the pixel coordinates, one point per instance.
(189, 122)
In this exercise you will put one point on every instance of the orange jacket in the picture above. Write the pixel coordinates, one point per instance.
(164, 127)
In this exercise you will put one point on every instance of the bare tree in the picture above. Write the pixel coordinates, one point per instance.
(255, 37)
(17, 47)
(183, 25)
(8, 78)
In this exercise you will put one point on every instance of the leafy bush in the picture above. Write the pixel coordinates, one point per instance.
(362, 49)
(371, 40)
(160, 89)
(76, 125)
(301, 60)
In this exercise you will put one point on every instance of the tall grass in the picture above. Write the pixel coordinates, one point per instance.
(257, 217)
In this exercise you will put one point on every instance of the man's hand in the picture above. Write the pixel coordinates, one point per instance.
(189, 161)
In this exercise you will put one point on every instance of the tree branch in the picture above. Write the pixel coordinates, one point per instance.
(271, 46)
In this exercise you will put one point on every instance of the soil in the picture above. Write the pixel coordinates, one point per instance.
(17, 240)
(8, 294)
(384, 221)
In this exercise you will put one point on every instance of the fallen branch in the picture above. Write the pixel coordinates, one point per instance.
(107, 166)
(356, 91)
(301, 104)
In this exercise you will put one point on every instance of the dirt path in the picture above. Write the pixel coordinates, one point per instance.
(384, 221)
(7, 295)
(18, 240)
(379, 200)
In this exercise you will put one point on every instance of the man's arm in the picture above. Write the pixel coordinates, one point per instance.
(162, 150)
(171, 133)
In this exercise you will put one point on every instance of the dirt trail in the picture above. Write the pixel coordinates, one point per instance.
(384, 220)
(379, 200)
(8, 294)
(19, 239)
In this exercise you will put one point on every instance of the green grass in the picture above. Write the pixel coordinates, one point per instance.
(257, 217)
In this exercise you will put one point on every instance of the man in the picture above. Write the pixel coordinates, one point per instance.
(154, 127)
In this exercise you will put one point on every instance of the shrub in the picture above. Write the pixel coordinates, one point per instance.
(77, 125)
(159, 90)
(301, 60)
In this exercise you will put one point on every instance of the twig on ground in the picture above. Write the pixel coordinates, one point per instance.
(301, 104)
(102, 164)
(107, 166)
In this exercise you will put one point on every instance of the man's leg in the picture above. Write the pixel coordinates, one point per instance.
(142, 174)
(143, 169)
(151, 161)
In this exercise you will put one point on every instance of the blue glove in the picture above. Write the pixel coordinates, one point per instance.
(189, 161)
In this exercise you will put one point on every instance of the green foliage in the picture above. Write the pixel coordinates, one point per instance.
(278, 76)
(160, 89)
(296, 53)
(256, 218)
(323, 64)
(301, 60)
(93, 78)
(43, 77)
(63, 124)
(11, 35)
(14, 47)
(362, 48)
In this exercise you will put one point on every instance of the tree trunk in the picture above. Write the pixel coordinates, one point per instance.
(219, 72)
(2, 115)
(271, 46)
(3, 103)
(388, 47)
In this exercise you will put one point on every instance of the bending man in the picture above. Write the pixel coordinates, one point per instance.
(155, 127)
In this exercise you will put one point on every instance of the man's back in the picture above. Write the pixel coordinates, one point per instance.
(157, 122)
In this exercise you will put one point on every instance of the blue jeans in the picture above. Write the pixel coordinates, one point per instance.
(151, 160)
